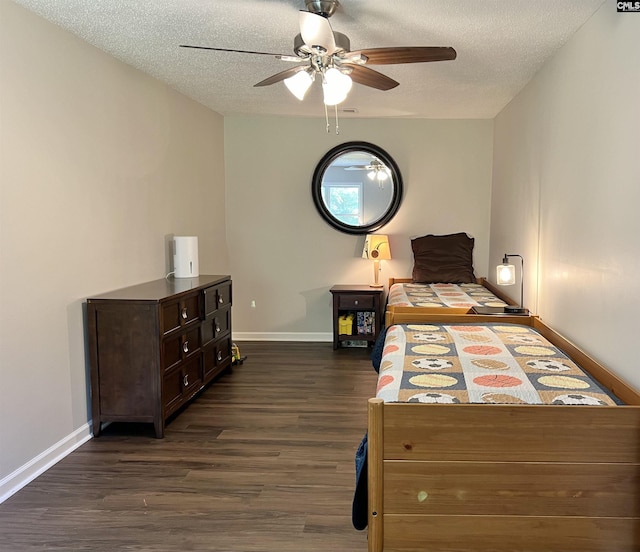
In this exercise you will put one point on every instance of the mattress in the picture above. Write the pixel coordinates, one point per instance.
(442, 295)
(481, 363)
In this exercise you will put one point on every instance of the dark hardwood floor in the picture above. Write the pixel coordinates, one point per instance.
(262, 461)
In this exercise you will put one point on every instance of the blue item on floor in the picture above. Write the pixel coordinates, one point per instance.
(359, 511)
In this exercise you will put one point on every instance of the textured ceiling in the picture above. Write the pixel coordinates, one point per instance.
(501, 44)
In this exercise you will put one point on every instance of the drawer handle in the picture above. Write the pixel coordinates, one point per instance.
(184, 313)
(185, 380)
(220, 299)
(355, 302)
(217, 328)
(185, 346)
(219, 356)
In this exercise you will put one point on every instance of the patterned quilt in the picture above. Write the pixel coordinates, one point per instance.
(480, 363)
(442, 295)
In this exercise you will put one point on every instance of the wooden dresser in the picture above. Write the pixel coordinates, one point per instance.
(153, 346)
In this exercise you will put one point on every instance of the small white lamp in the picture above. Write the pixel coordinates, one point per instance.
(506, 276)
(376, 247)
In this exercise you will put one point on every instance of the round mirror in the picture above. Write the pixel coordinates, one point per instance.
(357, 187)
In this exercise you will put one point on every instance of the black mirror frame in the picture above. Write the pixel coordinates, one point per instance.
(325, 162)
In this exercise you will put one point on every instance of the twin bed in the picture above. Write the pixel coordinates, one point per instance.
(405, 296)
(497, 434)
(442, 280)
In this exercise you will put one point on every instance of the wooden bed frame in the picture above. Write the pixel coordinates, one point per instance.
(498, 478)
(440, 310)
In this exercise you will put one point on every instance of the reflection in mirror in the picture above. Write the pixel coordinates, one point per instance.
(357, 187)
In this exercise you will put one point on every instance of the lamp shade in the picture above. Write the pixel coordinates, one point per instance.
(506, 274)
(335, 86)
(299, 84)
(376, 247)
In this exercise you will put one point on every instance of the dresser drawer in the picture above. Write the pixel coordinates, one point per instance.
(216, 325)
(179, 384)
(179, 347)
(216, 357)
(355, 301)
(191, 376)
(179, 313)
(217, 297)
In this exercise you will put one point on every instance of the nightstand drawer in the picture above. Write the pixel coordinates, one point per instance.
(355, 301)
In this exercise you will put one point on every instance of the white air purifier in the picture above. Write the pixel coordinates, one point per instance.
(185, 256)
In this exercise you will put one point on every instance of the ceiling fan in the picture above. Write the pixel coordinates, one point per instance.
(324, 53)
(376, 171)
(375, 165)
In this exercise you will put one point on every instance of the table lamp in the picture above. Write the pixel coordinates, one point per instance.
(376, 247)
(506, 276)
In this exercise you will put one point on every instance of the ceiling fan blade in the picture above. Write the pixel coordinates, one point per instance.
(316, 31)
(369, 77)
(280, 76)
(279, 56)
(406, 54)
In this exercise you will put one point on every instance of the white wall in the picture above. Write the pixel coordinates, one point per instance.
(566, 168)
(98, 165)
(286, 258)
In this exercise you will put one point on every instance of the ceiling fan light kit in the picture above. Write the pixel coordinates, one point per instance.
(379, 173)
(300, 83)
(322, 51)
(335, 86)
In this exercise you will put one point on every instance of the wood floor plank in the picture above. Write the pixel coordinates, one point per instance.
(262, 461)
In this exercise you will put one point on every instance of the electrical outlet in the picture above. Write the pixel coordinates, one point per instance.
(253, 303)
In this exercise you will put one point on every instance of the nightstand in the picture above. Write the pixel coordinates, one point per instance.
(364, 303)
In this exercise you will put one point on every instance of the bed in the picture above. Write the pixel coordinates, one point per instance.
(405, 296)
(504, 477)
(443, 279)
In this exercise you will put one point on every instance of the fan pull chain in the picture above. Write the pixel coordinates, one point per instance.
(326, 117)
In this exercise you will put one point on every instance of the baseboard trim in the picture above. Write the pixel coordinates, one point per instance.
(282, 336)
(21, 477)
